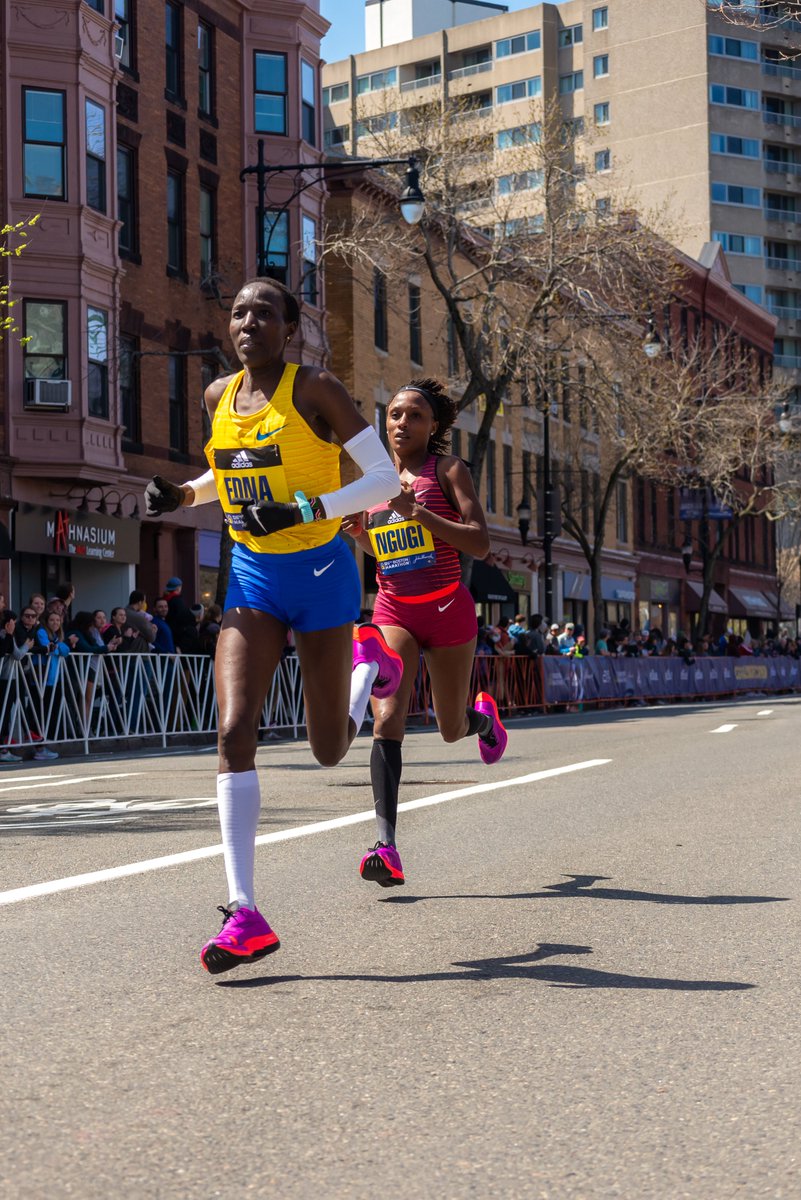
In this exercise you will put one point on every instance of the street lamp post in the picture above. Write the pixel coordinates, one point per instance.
(412, 200)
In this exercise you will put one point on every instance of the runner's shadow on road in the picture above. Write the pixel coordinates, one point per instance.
(581, 886)
(530, 967)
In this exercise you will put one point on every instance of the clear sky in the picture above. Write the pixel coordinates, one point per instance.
(346, 35)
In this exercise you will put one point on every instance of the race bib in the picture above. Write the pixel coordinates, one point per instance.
(400, 545)
(248, 475)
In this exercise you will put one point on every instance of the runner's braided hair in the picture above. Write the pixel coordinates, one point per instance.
(444, 409)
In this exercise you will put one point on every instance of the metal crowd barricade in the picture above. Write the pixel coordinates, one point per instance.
(93, 698)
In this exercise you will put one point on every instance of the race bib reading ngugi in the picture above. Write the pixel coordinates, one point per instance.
(400, 545)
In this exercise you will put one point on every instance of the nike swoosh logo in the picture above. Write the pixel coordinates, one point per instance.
(322, 570)
(442, 607)
(262, 437)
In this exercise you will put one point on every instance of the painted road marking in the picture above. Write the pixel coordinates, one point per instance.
(26, 787)
(283, 835)
(724, 729)
(765, 712)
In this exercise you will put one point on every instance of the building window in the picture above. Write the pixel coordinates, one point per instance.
(522, 181)
(751, 291)
(205, 69)
(521, 135)
(335, 93)
(377, 124)
(519, 90)
(600, 66)
(126, 199)
(622, 512)
(381, 424)
(723, 143)
(270, 101)
(603, 160)
(573, 82)
(337, 136)
(97, 5)
(376, 81)
(45, 354)
(380, 323)
(309, 282)
(519, 44)
(95, 156)
(490, 476)
(507, 481)
(733, 48)
(573, 35)
(733, 193)
(733, 96)
(415, 325)
(172, 48)
(308, 98)
(122, 15)
(45, 143)
(276, 245)
(600, 19)
(130, 401)
(739, 243)
(601, 112)
(176, 380)
(207, 224)
(97, 354)
(175, 223)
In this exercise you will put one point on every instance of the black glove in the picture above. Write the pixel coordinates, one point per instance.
(268, 516)
(161, 496)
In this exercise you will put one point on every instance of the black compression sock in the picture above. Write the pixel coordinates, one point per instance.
(480, 723)
(386, 763)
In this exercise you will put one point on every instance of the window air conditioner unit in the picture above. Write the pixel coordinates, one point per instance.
(52, 394)
(119, 46)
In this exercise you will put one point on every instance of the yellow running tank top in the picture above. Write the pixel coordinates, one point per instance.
(269, 455)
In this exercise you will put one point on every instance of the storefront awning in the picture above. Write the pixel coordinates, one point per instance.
(617, 589)
(487, 583)
(749, 603)
(576, 587)
(694, 593)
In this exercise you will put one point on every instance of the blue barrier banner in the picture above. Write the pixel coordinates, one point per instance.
(576, 680)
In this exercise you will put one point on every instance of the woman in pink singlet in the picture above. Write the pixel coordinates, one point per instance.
(422, 604)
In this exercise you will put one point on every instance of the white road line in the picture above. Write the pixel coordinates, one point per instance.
(723, 729)
(29, 775)
(26, 787)
(283, 835)
(765, 712)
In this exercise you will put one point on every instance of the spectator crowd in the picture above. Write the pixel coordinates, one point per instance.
(45, 632)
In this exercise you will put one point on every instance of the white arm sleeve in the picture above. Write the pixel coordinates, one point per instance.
(204, 487)
(379, 480)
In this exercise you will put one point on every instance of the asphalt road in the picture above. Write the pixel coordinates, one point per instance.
(588, 988)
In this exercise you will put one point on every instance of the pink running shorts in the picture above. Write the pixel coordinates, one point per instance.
(448, 620)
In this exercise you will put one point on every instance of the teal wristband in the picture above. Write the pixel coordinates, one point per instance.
(305, 507)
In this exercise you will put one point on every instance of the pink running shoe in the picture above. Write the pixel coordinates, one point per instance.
(245, 937)
(492, 746)
(369, 646)
(382, 865)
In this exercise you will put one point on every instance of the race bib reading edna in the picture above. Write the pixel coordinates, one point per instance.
(249, 475)
(400, 545)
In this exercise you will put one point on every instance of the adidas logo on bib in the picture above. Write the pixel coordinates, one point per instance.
(241, 460)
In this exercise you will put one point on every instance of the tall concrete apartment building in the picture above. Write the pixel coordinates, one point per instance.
(684, 110)
(125, 125)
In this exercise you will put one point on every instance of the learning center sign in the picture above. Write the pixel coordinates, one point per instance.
(67, 534)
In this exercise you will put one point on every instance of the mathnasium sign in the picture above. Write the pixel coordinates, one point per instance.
(67, 534)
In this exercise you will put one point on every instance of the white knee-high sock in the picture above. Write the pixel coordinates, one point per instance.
(239, 801)
(361, 681)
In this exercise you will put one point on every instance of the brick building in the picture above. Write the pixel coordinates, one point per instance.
(127, 125)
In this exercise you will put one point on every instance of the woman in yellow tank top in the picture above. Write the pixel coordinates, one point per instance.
(275, 471)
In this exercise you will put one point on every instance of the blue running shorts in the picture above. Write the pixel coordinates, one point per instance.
(307, 590)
